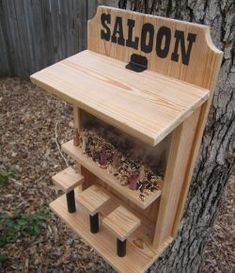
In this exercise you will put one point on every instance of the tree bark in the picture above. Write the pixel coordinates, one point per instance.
(216, 156)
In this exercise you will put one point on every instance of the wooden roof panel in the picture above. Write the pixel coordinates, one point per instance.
(147, 105)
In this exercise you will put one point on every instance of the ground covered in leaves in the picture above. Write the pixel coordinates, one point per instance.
(28, 117)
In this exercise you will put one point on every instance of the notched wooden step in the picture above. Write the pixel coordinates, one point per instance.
(93, 198)
(140, 255)
(121, 222)
(68, 179)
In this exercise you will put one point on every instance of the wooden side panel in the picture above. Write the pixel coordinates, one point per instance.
(197, 123)
(196, 141)
(204, 57)
(177, 168)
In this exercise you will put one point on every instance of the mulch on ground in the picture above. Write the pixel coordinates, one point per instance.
(28, 117)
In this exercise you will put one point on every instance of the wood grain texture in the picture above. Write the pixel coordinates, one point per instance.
(121, 222)
(177, 168)
(140, 254)
(204, 56)
(76, 118)
(68, 179)
(169, 97)
(88, 163)
(93, 198)
(116, 200)
(202, 71)
(146, 105)
(213, 164)
(148, 215)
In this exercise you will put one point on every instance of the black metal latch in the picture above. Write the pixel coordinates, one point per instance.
(137, 63)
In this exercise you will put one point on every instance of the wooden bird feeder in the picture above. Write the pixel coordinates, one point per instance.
(152, 79)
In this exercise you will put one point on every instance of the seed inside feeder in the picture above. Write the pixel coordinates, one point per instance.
(133, 181)
(116, 160)
(103, 159)
(110, 151)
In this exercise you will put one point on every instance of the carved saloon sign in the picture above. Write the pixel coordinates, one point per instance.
(145, 41)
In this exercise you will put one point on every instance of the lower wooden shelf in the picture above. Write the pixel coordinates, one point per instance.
(77, 154)
(140, 253)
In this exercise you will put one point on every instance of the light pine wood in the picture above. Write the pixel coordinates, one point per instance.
(68, 179)
(168, 98)
(77, 126)
(146, 105)
(147, 215)
(177, 167)
(140, 253)
(116, 200)
(121, 222)
(205, 57)
(76, 118)
(93, 199)
(77, 154)
(202, 71)
(189, 167)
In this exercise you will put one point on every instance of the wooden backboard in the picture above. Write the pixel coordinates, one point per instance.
(174, 48)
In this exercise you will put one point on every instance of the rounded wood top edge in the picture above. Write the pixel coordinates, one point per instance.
(210, 42)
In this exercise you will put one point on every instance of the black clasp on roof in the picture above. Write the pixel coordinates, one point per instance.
(137, 63)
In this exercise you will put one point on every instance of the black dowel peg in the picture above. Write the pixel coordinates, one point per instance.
(94, 223)
(71, 201)
(121, 248)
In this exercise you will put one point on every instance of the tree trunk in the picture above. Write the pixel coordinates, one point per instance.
(216, 156)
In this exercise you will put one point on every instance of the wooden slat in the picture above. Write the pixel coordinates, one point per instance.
(140, 254)
(146, 105)
(121, 222)
(68, 179)
(82, 23)
(35, 34)
(88, 163)
(5, 66)
(91, 8)
(93, 199)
